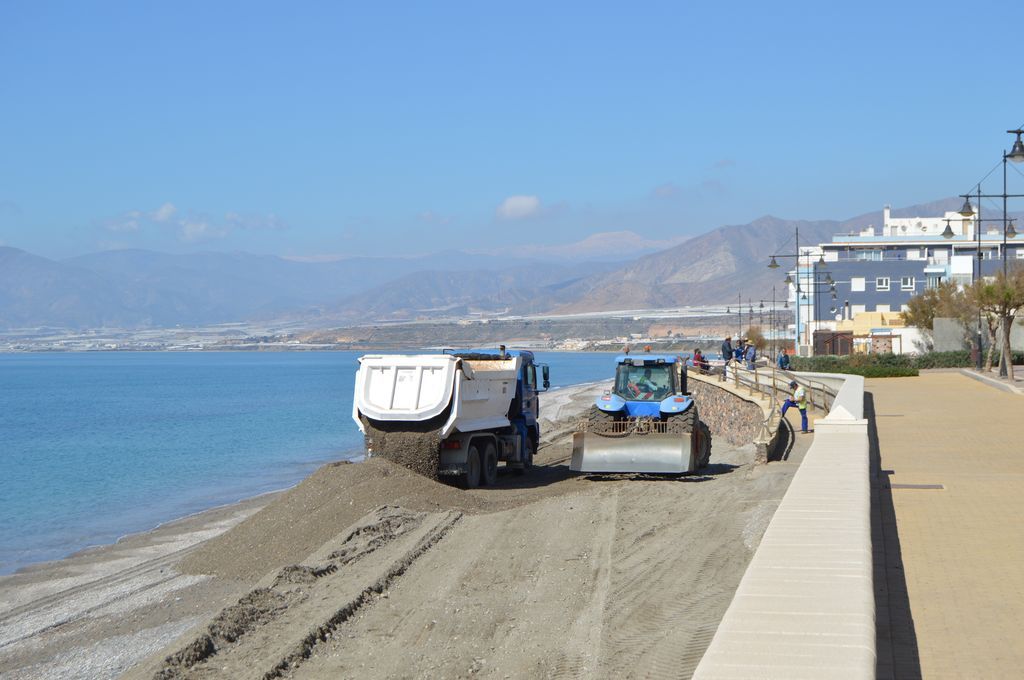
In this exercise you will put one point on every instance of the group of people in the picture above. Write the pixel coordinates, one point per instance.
(744, 353)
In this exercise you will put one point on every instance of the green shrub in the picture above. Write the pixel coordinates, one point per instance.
(955, 359)
(867, 365)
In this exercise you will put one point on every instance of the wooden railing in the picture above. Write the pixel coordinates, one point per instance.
(773, 382)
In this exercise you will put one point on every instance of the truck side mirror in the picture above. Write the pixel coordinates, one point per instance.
(546, 375)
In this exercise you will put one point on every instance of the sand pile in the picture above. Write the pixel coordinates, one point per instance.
(417, 451)
(301, 519)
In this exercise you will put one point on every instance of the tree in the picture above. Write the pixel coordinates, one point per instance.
(946, 300)
(756, 338)
(1001, 296)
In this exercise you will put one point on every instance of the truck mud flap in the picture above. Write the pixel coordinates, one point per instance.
(642, 453)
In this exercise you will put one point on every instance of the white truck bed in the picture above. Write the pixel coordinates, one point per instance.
(418, 387)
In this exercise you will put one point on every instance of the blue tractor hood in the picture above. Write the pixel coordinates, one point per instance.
(672, 404)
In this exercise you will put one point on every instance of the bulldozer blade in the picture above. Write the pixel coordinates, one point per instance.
(643, 453)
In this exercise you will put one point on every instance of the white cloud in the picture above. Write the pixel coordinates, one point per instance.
(193, 226)
(163, 213)
(130, 221)
(519, 208)
(134, 220)
(197, 229)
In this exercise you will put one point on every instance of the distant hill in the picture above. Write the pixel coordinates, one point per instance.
(525, 289)
(143, 289)
(139, 288)
(712, 268)
(35, 291)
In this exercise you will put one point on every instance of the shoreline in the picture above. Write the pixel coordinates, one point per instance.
(197, 518)
(128, 607)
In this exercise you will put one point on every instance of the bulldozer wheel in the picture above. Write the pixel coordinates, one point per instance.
(683, 422)
(596, 415)
(490, 465)
(471, 478)
(705, 446)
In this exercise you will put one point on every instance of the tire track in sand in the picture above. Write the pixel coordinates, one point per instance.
(670, 584)
(583, 647)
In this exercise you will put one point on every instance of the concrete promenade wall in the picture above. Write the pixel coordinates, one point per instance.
(805, 606)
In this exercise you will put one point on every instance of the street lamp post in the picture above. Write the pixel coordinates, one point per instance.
(967, 210)
(775, 265)
(1015, 155)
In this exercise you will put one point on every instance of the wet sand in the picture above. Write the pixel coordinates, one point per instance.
(369, 570)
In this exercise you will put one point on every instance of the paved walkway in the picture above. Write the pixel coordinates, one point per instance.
(949, 560)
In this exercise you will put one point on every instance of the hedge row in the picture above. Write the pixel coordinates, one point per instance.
(888, 365)
(867, 365)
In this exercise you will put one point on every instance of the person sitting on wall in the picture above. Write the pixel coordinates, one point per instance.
(799, 399)
(783, 361)
(699, 362)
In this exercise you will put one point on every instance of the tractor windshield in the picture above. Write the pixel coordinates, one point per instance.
(644, 383)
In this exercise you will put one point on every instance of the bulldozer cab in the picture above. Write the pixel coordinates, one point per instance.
(646, 381)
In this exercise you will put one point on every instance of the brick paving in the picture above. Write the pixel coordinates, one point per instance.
(950, 561)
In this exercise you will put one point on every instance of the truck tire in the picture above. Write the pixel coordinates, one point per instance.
(705, 445)
(527, 462)
(471, 477)
(490, 465)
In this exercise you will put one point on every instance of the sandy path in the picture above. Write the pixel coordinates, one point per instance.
(550, 574)
(628, 579)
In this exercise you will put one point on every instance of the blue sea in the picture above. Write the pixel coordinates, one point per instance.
(94, 446)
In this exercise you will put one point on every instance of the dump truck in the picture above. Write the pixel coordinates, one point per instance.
(647, 423)
(453, 415)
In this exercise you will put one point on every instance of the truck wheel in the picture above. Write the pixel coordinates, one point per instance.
(527, 463)
(471, 478)
(490, 468)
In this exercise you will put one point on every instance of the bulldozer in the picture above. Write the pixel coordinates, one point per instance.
(647, 423)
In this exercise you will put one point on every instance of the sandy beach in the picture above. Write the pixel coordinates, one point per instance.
(368, 570)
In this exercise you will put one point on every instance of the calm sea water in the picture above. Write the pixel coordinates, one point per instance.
(97, 445)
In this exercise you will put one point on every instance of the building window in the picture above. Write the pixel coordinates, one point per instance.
(883, 308)
(882, 283)
(869, 255)
(906, 283)
(857, 284)
(1020, 253)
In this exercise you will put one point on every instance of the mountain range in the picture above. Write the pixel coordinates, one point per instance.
(139, 289)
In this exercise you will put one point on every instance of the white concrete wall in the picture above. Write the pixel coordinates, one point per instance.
(805, 607)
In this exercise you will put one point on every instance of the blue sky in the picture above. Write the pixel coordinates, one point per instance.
(326, 129)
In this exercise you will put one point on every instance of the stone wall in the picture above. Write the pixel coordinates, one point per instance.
(729, 416)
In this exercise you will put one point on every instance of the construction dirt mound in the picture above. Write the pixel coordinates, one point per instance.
(414, 450)
(301, 519)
